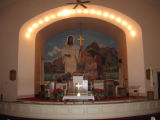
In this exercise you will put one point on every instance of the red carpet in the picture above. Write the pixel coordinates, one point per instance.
(103, 99)
(123, 98)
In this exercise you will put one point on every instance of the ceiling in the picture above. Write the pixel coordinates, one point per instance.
(4, 3)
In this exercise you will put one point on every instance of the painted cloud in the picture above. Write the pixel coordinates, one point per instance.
(54, 51)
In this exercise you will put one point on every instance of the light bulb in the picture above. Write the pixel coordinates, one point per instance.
(112, 16)
(79, 11)
(118, 19)
(28, 35)
(59, 14)
(47, 19)
(40, 22)
(53, 16)
(124, 23)
(105, 14)
(35, 25)
(72, 11)
(92, 11)
(133, 33)
(85, 11)
(65, 12)
(30, 29)
(99, 13)
(129, 27)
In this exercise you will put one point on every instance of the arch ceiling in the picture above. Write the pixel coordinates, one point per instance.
(86, 23)
(79, 23)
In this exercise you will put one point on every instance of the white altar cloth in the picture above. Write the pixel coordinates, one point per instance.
(78, 98)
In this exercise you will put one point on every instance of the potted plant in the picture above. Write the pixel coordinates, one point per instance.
(58, 93)
(98, 93)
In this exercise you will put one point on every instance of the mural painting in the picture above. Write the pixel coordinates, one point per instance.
(91, 54)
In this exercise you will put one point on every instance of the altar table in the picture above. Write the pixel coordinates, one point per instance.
(78, 98)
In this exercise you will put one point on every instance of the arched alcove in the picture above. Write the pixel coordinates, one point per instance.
(74, 23)
(29, 31)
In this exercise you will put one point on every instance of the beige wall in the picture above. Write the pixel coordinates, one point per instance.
(145, 12)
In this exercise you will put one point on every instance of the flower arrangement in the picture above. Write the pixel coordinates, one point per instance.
(58, 93)
(98, 93)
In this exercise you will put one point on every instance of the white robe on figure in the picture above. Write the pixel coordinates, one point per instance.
(70, 62)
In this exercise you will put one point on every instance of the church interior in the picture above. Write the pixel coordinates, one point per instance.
(80, 59)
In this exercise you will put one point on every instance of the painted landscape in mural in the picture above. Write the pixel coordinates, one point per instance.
(96, 58)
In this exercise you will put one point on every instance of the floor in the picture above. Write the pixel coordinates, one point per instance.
(146, 117)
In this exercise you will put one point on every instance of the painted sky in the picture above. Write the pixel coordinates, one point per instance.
(55, 44)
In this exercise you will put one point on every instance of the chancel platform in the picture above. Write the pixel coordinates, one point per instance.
(124, 109)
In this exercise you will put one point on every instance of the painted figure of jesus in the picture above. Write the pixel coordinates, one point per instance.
(70, 54)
